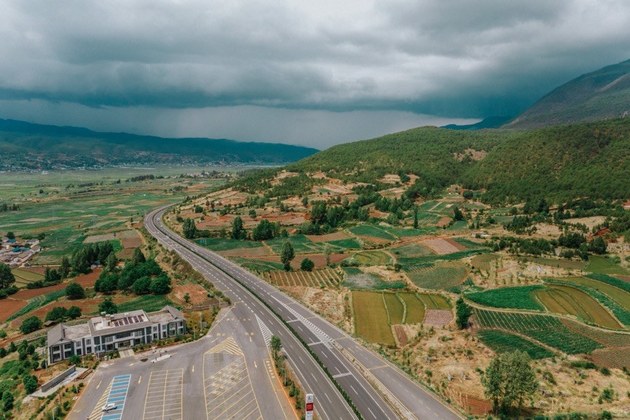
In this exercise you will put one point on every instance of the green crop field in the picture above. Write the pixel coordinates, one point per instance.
(394, 308)
(603, 265)
(412, 251)
(442, 275)
(301, 245)
(38, 302)
(433, 301)
(502, 342)
(415, 308)
(606, 338)
(614, 281)
(225, 244)
(372, 258)
(521, 297)
(349, 243)
(370, 318)
(544, 328)
(571, 301)
(24, 277)
(617, 294)
(371, 230)
(326, 277)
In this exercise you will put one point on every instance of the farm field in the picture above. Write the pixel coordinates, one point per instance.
(603, 265)
(70, 206)
(372, 258)
(412, 250)
(370, 318)
(225, 244)
(357, 279)
(617, 294)
(326, 277)
(571, 301)
(24, 276)
(433, 301)
(372, 231)
(415, 311)
(502, 342)
(544, 328)
(442, 275)
(522, 297)
(258, 266)
(394, 307)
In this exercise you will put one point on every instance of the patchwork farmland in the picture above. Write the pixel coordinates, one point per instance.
(326, 277)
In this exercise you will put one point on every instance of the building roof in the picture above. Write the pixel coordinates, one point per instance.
(112, 324)
(56, 335)
(166, 314)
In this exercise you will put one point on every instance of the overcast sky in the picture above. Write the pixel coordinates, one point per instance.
(303, 72)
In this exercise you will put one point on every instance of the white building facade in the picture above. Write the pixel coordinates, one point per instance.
(107, 333)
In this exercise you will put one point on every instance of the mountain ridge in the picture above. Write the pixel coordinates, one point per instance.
(25, 145)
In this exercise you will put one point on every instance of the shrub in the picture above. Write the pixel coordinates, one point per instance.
(31, 324)
(75, 291)
(307, 265)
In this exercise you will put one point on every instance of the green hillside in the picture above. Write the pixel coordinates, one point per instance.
(602, 94)
(33, 146)
(589, 159)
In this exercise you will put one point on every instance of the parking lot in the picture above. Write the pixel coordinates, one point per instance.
(164, 395)
(116, 394)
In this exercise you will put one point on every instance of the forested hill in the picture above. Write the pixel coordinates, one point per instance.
(602, 94)
(589, 159)
(33, 146)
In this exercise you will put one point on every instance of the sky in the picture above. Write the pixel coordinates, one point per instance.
(300, 72)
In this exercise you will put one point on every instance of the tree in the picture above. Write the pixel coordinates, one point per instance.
(30, 383)
(64, 268)
(138, 256)
(509, 380)
(276, 345)
(142, 286)
(106, 283)
(598, 246)
(161, 285)
(73, 312)
(237, 229)
(189, 228)
(415, 217)
(265, 230)
(287, 254)
(10, 235)
(111, 262)
(187, 297)
(307, 265)
(457, 214)
(108, 306)
(56, 314)
(7, 401)
(75, 291)
(327, 253)
(30, 324)
(252, 213)
(6, 276)
(463, 312)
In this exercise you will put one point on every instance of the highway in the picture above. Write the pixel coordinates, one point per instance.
(332, 346)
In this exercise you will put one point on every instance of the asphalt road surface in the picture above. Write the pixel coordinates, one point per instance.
(328, 342)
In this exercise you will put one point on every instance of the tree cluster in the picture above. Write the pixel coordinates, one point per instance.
(138, 276)
(90, 254)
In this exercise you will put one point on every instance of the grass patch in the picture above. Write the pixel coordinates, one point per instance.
(521, 297)
(301, 245)
(603, 265)
(372, 258)
(484, 262)
(349, 243)
(149, 303)
(226, 244)
(357, 279)
(258, 266)
(503, 342)
(412, 251)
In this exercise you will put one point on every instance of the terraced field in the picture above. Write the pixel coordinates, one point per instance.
(24, 277)
(372, 231)
(520, 297)
(442, 275)
(370, 318)
(432, 301)
(571, 301)
(395, 308)
(372, 258)
(412, 251)
(415, 312)
(326, 277)
(502, 342)
(547, 329)
(615, 293)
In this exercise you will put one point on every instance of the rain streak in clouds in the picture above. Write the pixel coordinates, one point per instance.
(314, 73)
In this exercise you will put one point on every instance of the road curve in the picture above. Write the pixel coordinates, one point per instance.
(326, 341)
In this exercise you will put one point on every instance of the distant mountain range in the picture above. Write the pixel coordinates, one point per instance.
(25, 145)
(489, 122)
(602, 94)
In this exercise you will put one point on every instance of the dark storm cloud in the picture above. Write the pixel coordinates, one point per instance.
(451, 58)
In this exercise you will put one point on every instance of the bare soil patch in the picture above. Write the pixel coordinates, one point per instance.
(400, 335)
(337, 236)
(616, 357)
(261, 251)
(9, 306)
(198, 295)
(444, 221)
(437, 317)
(441, 246)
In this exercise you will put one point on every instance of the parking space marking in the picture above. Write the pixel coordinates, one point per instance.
(116, 393)
(227, 385)
(164, 399)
